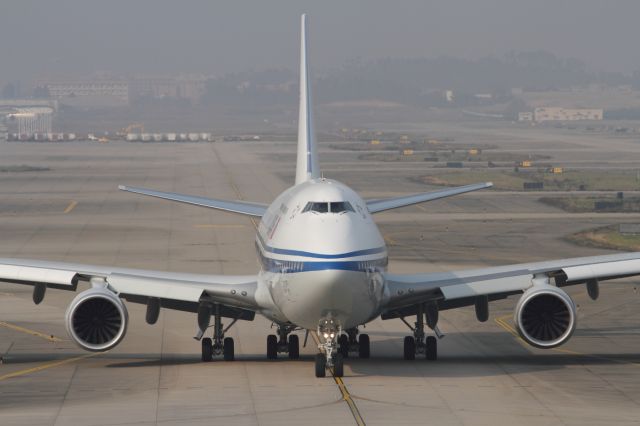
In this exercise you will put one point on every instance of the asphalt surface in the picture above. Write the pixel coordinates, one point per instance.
(484, 376)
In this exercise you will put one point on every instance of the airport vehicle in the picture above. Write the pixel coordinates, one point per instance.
(324, 270)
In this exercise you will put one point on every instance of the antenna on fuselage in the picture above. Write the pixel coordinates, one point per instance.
(307, 161)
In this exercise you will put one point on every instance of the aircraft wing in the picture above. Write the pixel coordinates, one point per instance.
(380, 205)
(180, 291)
(235, 206)
(462, 288)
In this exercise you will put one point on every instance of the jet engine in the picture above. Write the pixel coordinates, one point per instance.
(96, 320)
(545, 316)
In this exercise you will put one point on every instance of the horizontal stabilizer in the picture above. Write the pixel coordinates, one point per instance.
(241, 207)
(376, 206)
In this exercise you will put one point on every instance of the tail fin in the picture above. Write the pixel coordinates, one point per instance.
(307, 163)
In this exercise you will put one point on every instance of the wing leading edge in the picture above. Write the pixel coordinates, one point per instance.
(381, 205)
(235, 206)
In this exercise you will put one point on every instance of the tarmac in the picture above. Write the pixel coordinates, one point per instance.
(485, 374)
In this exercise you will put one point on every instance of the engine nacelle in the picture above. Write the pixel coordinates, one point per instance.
(97, 320)
(545, 316)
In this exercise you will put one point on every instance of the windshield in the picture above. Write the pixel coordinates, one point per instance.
(333, 207)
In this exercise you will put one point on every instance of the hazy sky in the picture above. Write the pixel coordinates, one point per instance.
(47, 37)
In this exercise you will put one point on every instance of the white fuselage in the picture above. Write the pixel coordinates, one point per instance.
(321, 261)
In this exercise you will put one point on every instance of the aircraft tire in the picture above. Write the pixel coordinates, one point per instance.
(294, 347)
(228, 349)
(364, 346)
(409, 348)
(432, 348)
(338, 365)
(321, 365)
(207, 350)
(272, 346)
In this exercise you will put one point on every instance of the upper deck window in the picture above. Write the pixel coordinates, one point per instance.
(334, 207)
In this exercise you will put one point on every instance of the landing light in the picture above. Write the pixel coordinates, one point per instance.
(326, 335)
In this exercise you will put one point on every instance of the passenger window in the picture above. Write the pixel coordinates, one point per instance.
(341, 206)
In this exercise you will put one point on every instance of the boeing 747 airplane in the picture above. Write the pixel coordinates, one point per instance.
(323, 270)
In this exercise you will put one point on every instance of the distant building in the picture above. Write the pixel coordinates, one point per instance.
(29, 121)
(525, 116)
(567, 114)
(96, 92)
(168, 87)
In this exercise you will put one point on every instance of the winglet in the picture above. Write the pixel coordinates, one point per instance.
(307, 161)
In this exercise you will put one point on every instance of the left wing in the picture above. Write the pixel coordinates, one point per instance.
(462, 288)
(376, 206)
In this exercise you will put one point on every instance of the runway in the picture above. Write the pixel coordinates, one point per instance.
(484, 376)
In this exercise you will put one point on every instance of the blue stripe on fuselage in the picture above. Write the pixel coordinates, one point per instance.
(288, 252)
(289, 266)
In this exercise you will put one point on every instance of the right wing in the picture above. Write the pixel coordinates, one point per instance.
(236, 206)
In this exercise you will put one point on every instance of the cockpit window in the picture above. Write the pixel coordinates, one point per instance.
(317, 207)
(334, 207)
(341, 206)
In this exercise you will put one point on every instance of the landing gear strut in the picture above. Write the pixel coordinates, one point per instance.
(219, 345)
(329, 356)
(419, 343)
(285, 342)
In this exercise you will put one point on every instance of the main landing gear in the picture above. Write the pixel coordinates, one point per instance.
(350, 344)
(219, 345)
(284, 342)
(418, 343)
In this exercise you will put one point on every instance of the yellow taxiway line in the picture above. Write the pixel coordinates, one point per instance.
(346, 395)
(70, 207)
(46, 366)
(48, 337)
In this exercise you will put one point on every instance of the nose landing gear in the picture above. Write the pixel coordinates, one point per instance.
(329, 356)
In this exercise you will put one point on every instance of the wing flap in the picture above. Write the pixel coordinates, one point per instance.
(489, 286)
(235, 206)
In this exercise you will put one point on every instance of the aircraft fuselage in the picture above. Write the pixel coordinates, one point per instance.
(321, 257)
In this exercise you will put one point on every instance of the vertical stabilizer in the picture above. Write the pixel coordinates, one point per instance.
(307, 164)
